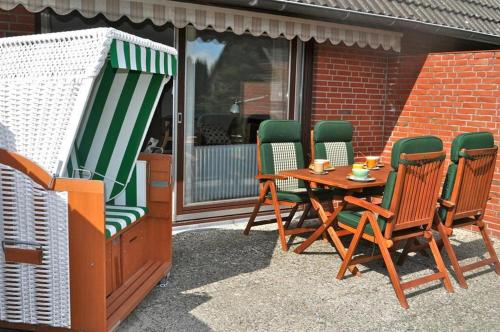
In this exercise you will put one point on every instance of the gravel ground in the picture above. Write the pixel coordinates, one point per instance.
(224, 281)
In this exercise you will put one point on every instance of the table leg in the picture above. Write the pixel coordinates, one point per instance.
(327, 221)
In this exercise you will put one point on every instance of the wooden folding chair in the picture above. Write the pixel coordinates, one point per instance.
(332, 140)
(406, 212)
(279, 148)
(465, 195)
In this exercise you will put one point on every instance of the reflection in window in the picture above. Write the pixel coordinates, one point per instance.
(233, 83)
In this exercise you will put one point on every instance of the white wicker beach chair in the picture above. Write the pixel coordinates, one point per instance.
(77, 104)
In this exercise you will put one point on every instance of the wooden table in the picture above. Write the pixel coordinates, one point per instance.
(338, 179)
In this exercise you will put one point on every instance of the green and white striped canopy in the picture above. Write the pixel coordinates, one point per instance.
(118, 115)
(126, 55)
(79, 103)
(114, 126)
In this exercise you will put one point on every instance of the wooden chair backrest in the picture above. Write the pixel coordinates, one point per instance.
(259, 161)
(472, 183)
(313, 147)
(416, 190)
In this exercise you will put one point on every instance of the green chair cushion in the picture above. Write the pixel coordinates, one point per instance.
(280, 150)
(338, 153)
(410, 145)
(480, 140)
(119, 217)
(352, 218)
(389, 190)
(279, 131)
(373, 191)
(301, 196)
(449, 183)
(333, 141)
(333, 131)
(420, 144)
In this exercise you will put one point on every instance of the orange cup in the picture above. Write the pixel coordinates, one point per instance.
(372, 161)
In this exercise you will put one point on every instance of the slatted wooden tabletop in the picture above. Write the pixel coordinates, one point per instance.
(338, 177)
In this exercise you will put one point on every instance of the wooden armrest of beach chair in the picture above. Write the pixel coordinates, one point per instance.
(369, 206)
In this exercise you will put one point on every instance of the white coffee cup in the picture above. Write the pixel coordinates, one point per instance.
(319, 165)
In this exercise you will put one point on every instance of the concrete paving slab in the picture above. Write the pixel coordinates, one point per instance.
(225, 281)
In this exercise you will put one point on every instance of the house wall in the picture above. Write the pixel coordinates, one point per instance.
(349, 84)
(17, 22)
(388, 96)
(446, 94)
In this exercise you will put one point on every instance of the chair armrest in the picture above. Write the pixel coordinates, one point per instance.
(446, 204)
(271, 177)
(369, 206)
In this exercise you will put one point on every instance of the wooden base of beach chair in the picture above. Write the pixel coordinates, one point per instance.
(105, 287)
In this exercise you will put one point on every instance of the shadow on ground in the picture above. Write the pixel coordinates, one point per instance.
(201, 258)
(225, 281)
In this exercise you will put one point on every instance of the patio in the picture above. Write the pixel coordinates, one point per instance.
(225, 281)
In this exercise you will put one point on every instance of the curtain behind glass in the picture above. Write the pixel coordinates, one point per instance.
(233, 83)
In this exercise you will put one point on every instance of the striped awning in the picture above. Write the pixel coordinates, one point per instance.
(126, 55)
(221, 19)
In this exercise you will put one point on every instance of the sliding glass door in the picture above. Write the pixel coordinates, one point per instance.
(232, 84)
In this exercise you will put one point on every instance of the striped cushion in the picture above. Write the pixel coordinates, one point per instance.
(135, 191)
(285, 158)
(119, 217)
(114, 125)
(336, 153)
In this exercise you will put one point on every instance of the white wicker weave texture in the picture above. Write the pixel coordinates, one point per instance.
(34, 294)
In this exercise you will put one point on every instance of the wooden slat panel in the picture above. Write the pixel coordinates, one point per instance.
(415, 204)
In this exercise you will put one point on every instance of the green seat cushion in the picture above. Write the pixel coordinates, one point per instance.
(333, 131)
(449, 183)
(470, 141)
(337, 153)
(279, 131)
(374, 191)
(119, 217)
(301, 196)
(352, 218)
(333, 141)
(280, 150)
(410, 145)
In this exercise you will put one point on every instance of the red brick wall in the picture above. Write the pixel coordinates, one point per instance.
(389, 96)
(17, 22)
(446, 94)
(349, 84)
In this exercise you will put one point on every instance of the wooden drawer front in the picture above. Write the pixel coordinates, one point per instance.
(133, 249)
(113, 265)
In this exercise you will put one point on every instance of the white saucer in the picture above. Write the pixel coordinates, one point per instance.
(372, 169)
(354, 178)
(316, 173)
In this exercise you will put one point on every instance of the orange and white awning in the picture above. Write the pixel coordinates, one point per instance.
(181, 14)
